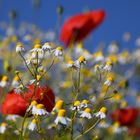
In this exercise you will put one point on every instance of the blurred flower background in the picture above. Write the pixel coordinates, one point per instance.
(69, 69)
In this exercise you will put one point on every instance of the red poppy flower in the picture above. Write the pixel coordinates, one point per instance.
(77, 27)
(17, 104)
(125, 116)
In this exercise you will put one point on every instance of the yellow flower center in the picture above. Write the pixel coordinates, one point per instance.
(16, 78)
(103, 110)
(98, 54)
(85, 101)
(4, 78)
(76, 103)
(124, 103)
(88, 110)
(62, 113)
(37, 46)
(96, 66)
(3, 124)
(110, 79)
(33, 103)
(38, 77)
(81, 59)
(59, 104)
(34, 121)
(39, 106)
(59, 48)
(19, 45)
(109, 63)
(116, 124)
(71, 62)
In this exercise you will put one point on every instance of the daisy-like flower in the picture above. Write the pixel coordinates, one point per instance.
(84, 103)
(37, 48)
(79, 48)
(59, 105)
(4, 81)
(116, 128)
(102, 113)
(61, 118)
(93, 99)
(16, 81)
(47, 47)
(98, 68)
(103, 124)
(76, 105)
(39, 110)
(19, 89)
(33, 125)
(71, 64)
(87, 55)
(108, 66)
(38, 78)
(32, 106)
(12, 117)
(113, 48)
(19, 47)
(86, 113)
(58, 52)
(81, 60)
(37, 54)
(41, 69)
(98, 56)
(3, 127)
(109, 81)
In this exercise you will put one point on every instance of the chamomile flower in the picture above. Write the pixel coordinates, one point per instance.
(32, 106)
(79, 48)
(11, 117)
(39, 109)
(71, 64)
(19, 89)
(33, 125)
(113, 48)
(61, 118)
(58, 52)
(98, 56)
(103, 124)
(93, 99)
(102, 113)
(3, 127)
(84, 103)
(16, 81)
(76, 105)
(47, 47)
(81, 60)
(86, 113)
(38, 78)
(98, 67)
(59, 105)
(4, 81)
(37, 54)
(116, 128)
(108, 66)
(37, 48)
(109, 81)
(19, 47)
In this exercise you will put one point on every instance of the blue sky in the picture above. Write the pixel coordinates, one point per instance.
(122, 16)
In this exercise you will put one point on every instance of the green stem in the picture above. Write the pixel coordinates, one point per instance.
(90, 128)
(26, 63)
